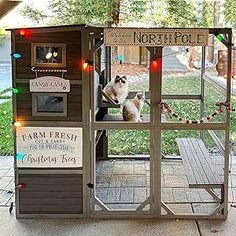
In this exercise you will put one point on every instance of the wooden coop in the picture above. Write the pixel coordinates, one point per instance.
(63, 128)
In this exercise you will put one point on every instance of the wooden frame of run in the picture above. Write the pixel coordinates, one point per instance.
(84, 41)
(156, 126)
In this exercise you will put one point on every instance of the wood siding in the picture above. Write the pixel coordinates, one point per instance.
(73, 53)
(72, 39)
(51, 194)
(24, 105)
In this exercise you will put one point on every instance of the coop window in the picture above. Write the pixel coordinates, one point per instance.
(49, 104)
(48, 55)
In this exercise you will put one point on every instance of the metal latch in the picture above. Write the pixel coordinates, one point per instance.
(90, 185)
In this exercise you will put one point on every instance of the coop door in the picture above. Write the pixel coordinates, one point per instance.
(122, 155)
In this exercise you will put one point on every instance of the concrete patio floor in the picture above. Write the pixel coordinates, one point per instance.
(125, 184)
(131, 193)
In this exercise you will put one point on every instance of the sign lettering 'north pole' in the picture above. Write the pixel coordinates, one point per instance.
(49, 147)
(49, 84)
(155, 37)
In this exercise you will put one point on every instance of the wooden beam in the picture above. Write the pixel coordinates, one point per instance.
(218, 209)
(7, 6)
(167, 209)
(212, 82)
(143, 204)
(131, 95)
(100, 204)
(216, 141)
(97, 46)
(203, 126)
(213, 194)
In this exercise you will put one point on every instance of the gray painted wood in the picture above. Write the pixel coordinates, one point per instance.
(228, 121)
(51, 194)
(144, 117)
(74, 105)
(119, 117)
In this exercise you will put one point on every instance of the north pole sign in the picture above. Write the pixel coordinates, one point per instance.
(50, 147)
(155, 37)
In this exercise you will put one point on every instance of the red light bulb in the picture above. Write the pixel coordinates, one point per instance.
(22, 32)
(154, 64)
(21, 186)
(25, 33)
(85, 65)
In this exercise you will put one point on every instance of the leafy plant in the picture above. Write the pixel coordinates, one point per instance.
(61, 12)
(161, 13)
(2, 36)
(6, 130)
(33, 13)
(230, 12)
(181, 13)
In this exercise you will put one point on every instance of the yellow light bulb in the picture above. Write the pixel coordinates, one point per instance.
(55, 54)
(17, 124)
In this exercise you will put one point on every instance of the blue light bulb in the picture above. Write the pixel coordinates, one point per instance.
(20, 156)
(16, 55)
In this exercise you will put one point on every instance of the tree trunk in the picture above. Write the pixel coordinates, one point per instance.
(115, 13)
(219, 22)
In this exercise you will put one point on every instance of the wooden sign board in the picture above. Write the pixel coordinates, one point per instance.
(49, 84)
(41, 147)
(155, 37)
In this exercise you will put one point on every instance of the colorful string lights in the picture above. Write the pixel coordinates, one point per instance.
(22, 32)
(17, 124)
(25, 33)
(15, 90)
(15, 55)
(49, 55)
(20, 156)
(86, 64)
(21, 186)
(11, 208)
(156, 64)
(219, 37)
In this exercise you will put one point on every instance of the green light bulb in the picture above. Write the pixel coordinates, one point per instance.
(15, 90)
(219, 37)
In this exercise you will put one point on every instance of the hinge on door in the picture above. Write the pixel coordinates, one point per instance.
(90, 185)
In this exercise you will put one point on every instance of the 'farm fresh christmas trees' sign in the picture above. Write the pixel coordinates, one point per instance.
(49, 147)
(155, 37)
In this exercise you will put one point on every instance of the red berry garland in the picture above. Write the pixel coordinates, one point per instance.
(164, 106)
